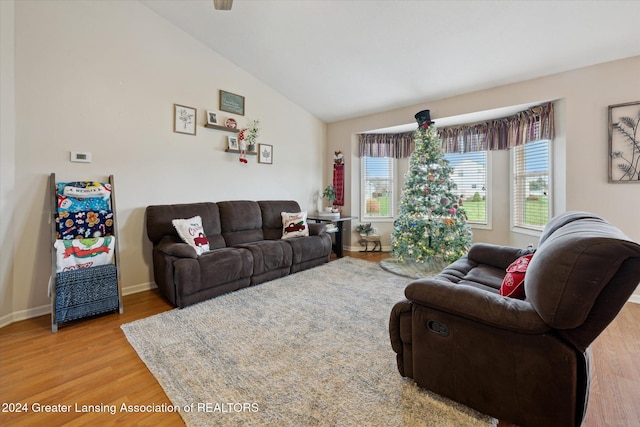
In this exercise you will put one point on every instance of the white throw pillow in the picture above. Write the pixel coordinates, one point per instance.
(294, 224)
(192, 232)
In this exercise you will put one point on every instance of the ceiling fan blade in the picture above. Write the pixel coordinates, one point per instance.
(222, 4)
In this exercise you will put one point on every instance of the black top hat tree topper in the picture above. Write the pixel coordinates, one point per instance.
(424, 118)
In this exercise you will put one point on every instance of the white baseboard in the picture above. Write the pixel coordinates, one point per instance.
(635, 298)
(138, 288)
(46, 309)
(17, 316)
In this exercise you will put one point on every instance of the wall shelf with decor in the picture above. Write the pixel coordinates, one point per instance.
(249, 153)
(222, 128)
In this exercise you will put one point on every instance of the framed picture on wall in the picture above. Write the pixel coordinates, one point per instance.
(265, 154)
(233, 143)
(624, 145)
(212, 118)
(184, 119)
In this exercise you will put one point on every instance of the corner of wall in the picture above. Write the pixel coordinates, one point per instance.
(7, 155)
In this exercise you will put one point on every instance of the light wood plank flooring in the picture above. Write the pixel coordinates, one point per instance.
(90, 362)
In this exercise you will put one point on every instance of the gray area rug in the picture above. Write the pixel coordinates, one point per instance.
(310, 349)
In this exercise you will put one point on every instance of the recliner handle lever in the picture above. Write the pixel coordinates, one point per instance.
(438, 328)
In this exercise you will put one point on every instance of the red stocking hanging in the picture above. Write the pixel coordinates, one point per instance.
(338, 178)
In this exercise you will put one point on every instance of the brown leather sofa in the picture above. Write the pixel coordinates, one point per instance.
(521, 361)
(245, 248)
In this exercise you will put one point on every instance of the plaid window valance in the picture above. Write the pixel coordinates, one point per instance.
(532, 124)
(395, 145)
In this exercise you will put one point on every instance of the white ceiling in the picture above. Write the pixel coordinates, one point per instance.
(343, 59)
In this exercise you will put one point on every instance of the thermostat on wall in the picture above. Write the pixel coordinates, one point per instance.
(81, 156)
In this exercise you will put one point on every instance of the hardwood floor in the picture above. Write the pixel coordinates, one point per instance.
(90, 362)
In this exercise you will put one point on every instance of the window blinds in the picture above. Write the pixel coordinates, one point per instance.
(377, 187)
(531, 185)
(470, 176)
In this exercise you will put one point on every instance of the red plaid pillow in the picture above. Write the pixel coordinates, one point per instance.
(513, 282)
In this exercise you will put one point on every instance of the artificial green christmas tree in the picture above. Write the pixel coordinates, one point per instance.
(431, 226)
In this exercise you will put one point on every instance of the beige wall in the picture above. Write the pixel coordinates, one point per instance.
(580, 146)
(103, 77)
(7, 154)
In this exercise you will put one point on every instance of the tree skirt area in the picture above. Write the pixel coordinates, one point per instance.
(309, 349)
(413, 269)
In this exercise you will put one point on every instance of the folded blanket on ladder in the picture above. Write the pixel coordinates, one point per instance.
(83, 253)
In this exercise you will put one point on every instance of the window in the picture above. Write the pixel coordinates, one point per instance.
(470, 176)
(377, 187)
(531, 193)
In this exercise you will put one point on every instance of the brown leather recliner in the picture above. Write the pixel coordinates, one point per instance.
(521, 361)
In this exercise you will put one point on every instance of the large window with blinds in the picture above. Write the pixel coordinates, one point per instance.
(531, 185)
(377, 188)
(470, 176)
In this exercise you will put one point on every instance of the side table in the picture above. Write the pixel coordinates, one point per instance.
(339, 222)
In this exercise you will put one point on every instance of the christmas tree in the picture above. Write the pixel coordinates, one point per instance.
(431, 226)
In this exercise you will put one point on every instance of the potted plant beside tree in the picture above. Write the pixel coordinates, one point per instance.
(364, 229)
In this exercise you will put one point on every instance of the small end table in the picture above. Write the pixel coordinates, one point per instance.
(339, 222)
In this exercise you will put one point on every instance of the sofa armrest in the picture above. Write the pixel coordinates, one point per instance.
(494, 255)
(395, 333)
(400, 333)
(317, 229)
(177, 249)
(477, 304)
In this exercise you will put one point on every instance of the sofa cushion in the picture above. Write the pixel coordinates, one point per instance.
(241, 222)
(272, 218)
(212, 269)
(269, 255)
(466, 272)
(159, 219)
(310, 248)
(513, 282)
(191, 232)
(294, 224)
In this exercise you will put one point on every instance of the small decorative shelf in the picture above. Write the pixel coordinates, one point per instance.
(222, 128)
(248, 153)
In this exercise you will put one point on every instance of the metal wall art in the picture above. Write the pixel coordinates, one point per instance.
(624, 146)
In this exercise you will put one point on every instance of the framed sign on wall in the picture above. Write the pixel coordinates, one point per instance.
(231, 103)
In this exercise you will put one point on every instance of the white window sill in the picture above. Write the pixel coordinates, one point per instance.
(526, 231)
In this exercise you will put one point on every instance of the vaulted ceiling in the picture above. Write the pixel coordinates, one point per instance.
(343, 59)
